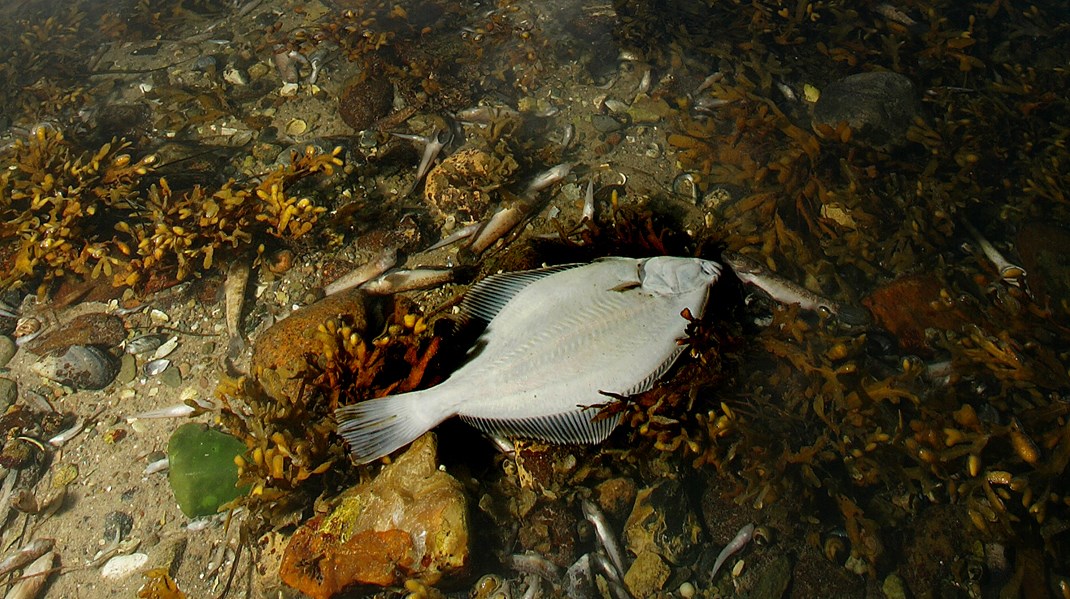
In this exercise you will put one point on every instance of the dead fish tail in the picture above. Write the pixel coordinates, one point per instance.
(378, 427)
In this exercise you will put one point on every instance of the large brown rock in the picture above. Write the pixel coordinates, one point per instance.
(410, 522)
(279, 353)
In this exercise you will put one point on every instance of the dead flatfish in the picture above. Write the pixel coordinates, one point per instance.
(558, 341)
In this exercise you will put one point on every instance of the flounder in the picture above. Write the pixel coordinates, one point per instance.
(559, 343)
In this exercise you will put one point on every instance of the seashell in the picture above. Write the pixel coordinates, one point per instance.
(79, 366)
(166, 348)
(144, 343)
(155, 367)
(121, 566)
(27, 325)
(296, 127)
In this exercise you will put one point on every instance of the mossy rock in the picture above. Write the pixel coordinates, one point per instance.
(203, 474)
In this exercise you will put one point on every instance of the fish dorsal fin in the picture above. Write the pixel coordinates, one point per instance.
(489, 296)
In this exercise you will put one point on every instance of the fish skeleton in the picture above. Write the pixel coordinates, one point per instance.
(560, 342)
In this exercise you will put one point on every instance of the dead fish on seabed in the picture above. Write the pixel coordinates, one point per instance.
(559, 342)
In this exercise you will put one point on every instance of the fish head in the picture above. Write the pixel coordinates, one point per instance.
(669, 275)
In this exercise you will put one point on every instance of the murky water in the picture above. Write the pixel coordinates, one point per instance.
(878, 382)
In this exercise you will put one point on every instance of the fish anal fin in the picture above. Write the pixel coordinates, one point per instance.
(580, 426)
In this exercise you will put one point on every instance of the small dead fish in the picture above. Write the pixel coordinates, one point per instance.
(787, 292)
(895, 14)
(234, 298)
(408, 280)
(362, 274)
(588, 201)
(547, 178)
(435, 142)
(192, 408)
(605, 535)
(64, 436)
(29, 552)
(604, 330)
(486, 115)
(33, 578)
(500, 223)
(459, 234)
(739, 542)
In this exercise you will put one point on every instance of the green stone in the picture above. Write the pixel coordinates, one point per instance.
(202, 472)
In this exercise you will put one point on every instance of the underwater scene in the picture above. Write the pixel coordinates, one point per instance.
(534, 298)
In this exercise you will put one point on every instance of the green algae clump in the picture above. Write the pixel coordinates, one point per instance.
(203, 474)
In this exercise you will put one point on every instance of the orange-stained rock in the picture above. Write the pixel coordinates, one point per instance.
(278, 353)
(411, 521)
(908, 306)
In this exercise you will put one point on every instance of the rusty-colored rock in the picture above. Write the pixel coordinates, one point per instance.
(278, 353)
(1045, 252)
(364, 102)
(96, 328)
(410, 522)
(908, 306)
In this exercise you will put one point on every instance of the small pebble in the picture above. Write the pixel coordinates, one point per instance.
(9, 392)
(7, 349)
(171, 377)
(687, 590)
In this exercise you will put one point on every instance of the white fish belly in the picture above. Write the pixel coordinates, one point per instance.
(554, 354)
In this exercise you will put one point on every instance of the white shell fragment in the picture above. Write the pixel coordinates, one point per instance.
(121, 566)
(166, 348)
(559, 342)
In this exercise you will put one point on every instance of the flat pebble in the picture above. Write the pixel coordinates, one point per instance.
(121, 566)
(7, 350)
(9, 392)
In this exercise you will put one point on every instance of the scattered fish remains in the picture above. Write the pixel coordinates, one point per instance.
(560, 342)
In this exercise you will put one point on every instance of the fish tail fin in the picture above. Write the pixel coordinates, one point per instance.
(377, 427)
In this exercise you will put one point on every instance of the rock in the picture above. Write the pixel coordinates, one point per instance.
(662, 522)
(278, 353)
(127, 369)
(936, 552)
(647, 574)
(616, 496)
(773, 579)
(879, 107)
(1045, 252)
(462, 185)
(7, 350)
(96, 328)
(202, 472)
(366, 101)
(9, 392)
(410, 522)
(908, 306)
(78, 366)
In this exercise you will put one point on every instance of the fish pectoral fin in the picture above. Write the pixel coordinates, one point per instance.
(626, 286)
